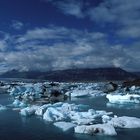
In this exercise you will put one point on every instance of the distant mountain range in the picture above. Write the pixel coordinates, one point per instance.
(97, 74)
(137, 74)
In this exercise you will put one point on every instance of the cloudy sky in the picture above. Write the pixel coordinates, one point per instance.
(60, 34)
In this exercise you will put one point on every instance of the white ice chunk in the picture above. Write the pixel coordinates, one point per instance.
(101, 129)
(79, 93)
(59, 104)
(53, 114)
(2, 108)
(125, 122)
(16, 102)
(22, 104)
(41, 110)
(28, 88)
(28, 111)
(106, 118)
(65, 126)
(87, 117)
(133, 88)
(128, 98)
(96, 93)
(84, 121)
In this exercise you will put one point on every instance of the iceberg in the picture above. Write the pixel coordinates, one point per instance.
(2, 108)
(128, 98)
(96, 93)
(79, 93)
(125, 122)
(16, 102)
(28, 111)
(72, 112)
(41, 110)
(53, 114)
(106, 118)
(97, 129)
(127, 106)
(65, 126)
(87, 117)
(84, 121)
(133, 88)
(28, 88)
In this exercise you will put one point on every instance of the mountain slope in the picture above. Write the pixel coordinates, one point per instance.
(98, 74)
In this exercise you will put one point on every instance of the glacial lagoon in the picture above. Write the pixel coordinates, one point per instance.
(14, 126)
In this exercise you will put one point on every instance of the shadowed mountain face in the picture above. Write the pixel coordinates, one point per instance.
(98, 74)
(137, 74)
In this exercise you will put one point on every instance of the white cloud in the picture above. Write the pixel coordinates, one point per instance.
(69, 48)
(131, 32)
(3, 45)
(69, 7)
(72, 8)
(122, 14)
(17, 25)
(4, 38)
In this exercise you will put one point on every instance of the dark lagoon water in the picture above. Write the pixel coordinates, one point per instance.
(16, 127)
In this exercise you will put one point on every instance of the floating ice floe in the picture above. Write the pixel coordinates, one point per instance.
(127, 98)
(85, 93)
(28, 111)
(79, 93)
(28, 89)
(125, 122)
(88, 117)
(97, 129)
(18, 103)
(127, 106)
(72, 112)
(54, 114)
(2, 108)
(65, 126)
(96, 93)
(133, 88)
(41, 110)
(61, 111)
(65, 111)
(106, 118)
(67, 116)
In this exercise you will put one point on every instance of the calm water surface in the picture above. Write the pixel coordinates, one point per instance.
(13, 126)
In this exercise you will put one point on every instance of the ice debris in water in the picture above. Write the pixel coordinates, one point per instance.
(18, 103)
(125, 122)
(127, 98)
(68, 116)
(29, 89)
(100, 129)
(87, 117)
(2, 107)
(65, 126)
(28, 111)
(79, 93)
(65, 111)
